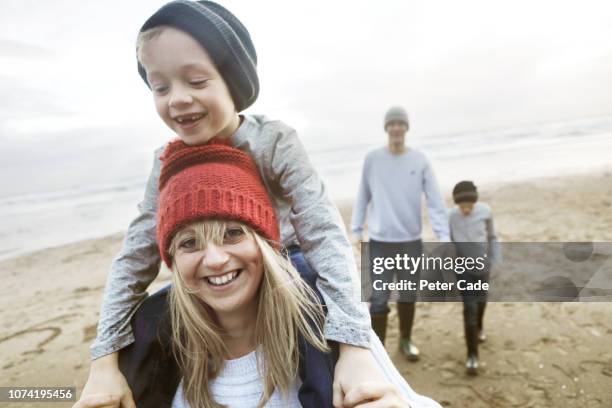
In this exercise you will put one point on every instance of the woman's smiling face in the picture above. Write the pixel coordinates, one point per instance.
(225, 272)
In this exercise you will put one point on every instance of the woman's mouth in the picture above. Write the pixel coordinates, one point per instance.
(223, 280)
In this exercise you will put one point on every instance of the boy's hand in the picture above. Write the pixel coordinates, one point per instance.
(106, 382)
(355, 366)
(374, 394)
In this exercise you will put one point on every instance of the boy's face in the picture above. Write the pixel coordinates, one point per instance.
(466, 208)
(190, 95)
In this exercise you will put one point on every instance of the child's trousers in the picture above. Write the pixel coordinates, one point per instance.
(474, 303)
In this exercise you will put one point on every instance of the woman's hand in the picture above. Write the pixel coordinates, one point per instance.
(106, 385)
(374, 394)
(355, 366)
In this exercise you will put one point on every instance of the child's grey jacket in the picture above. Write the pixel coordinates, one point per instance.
(307, 217)
(478, 227)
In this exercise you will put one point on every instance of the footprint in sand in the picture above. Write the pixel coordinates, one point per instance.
(86, 290)
(607, 370)
(75, 257)
(29, 341)
(509, 345)
(89, 333)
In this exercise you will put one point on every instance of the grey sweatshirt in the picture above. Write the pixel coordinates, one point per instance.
(391, 190)
(307, 217)
(477, 226)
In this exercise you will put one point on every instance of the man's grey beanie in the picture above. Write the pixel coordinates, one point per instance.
(223, 36)
(396, 113)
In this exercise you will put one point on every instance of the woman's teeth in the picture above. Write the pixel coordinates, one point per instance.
(223, 279)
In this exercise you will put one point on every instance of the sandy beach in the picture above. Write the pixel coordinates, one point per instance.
(536, 355)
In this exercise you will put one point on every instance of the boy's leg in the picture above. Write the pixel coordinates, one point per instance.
(482, 304)
(301, 265)
(471, 300)
(148, 364)
(316, 368)
(470, 323)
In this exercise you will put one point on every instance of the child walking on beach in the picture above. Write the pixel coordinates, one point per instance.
(473, 232)
(200, 64)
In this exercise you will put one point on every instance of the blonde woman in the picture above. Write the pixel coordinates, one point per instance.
(245, 329)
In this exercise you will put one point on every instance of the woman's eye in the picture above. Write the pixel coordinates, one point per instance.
(188, 243)
(233, 234)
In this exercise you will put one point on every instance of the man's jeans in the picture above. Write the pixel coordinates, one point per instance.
(380, 298)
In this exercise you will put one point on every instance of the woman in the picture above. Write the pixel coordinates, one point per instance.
(245, 329)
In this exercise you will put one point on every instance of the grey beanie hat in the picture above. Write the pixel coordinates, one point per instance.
(396, 113)
(223, 36)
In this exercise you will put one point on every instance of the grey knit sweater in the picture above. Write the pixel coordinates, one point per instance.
(307, 217)
(390, 194)
(476, 227)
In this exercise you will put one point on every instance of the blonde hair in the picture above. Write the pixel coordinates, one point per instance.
(287, 309)
(145, 36)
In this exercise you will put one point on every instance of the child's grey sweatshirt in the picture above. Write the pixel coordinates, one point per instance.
(477, 226)
(307, 217)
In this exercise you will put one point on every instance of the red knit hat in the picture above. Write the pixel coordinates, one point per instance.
(212, 181)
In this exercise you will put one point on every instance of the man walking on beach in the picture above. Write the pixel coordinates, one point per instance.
(393, 182)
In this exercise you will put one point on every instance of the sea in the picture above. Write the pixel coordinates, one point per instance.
(70, 188)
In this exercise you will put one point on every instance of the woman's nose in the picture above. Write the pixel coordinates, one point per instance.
(214, 257)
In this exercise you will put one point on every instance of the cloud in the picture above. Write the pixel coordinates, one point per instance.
(332, 70)
(21, 103)
(23, 50)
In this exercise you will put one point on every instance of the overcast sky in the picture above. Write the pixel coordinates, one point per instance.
(329, 68)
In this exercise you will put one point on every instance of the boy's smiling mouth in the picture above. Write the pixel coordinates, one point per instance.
(189, 119)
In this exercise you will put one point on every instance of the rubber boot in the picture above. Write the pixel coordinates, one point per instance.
(471, 365)
(482, 337)
(471, 339)
(379, 325)
(405, 313)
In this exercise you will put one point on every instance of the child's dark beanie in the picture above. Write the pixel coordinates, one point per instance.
(223, 36)
(465, 191)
